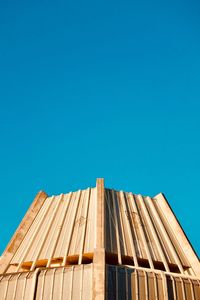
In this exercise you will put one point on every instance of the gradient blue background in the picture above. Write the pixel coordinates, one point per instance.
(100, 89)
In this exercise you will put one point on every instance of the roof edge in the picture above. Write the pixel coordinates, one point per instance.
(180, 233)
(22, 229)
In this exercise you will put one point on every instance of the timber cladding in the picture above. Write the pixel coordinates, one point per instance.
(99, 243)
(141, 284)
(75, 282)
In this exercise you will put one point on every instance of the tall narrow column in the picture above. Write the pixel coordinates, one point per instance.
(99, 252)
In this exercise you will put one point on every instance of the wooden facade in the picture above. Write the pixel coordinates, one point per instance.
(99, 243)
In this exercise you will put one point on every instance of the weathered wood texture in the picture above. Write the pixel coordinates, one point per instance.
(178, 232)
(95, 227)
(22, 230)
(143, 284)
(99, 251)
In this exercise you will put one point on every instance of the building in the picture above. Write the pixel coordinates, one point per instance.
(100, 244)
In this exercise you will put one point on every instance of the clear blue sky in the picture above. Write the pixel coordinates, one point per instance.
(100, 89)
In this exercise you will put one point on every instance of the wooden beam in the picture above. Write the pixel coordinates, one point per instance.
(99, 267)
(100, 213)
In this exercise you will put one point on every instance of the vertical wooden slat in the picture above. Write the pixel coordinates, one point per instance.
(100, 216)
(129, 231)
(6, 290)
(77, 226)
(172, 235)
(109, 221)
(99, 266)
(121, 223)
(136, 285)
(52, 284)
(84, 227)
(15, 288)
(71, 283)
(92, 221)
(183, 289)
(32, 239)
(60, 249)
(153, 232)
(146, 286)
(21, 231)
(24, 287)
(136, 213)
(56, 237)
(71, 228)
(164, 234)
(34, 284)
(61, 284)
(47, 231)
(81, 285)
(178, 232)
(42, 214)
(174, 287)
(164, 282)
(155, 286)
(116, 229)
(116, 283)
(127, 286)
(51, 236)
(139, 247)
(192, 290)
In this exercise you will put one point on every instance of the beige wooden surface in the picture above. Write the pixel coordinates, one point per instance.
(142, 284)
(73, 282)
(62, 246)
